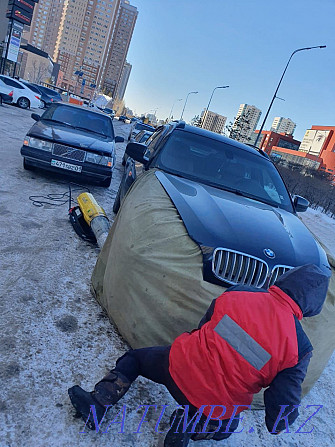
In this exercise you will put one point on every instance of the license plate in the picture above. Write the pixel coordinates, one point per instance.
(68, 166)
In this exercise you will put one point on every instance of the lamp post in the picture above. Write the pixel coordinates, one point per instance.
(275, 94)
(210, 99)
(170, 114)
(188, 94)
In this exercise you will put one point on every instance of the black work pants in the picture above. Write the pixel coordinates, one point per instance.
(153, 364)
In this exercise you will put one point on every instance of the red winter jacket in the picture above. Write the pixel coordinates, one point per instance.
(249, 339)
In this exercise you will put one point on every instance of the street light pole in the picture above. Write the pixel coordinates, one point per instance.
(275, 94)
(182, 113)
(170, 114)
(210, 99)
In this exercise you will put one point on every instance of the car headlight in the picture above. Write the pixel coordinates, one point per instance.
(99, 159)
(38, 144)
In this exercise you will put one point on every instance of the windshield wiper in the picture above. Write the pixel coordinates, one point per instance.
(89, 130)
(257, 198)
(57, 121)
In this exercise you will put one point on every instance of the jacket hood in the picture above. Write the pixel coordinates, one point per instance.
(307, 285)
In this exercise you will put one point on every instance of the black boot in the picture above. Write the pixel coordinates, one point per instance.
(178, 439)
(111, 388)
(106, 392)
(82, 401)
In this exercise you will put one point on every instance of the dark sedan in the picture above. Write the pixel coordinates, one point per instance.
(232, 201)
(71, 140)
(46, 99)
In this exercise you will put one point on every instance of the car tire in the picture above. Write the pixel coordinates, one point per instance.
(26, 166)
(117, 201)
(23, 103)
(44, 106)
(106, 183)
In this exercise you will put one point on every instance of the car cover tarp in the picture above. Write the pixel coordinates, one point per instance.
(148, 278)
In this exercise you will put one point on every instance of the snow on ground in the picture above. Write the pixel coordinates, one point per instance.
(53, 334)
(322, 226)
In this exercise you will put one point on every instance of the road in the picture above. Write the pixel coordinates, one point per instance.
(53, 334)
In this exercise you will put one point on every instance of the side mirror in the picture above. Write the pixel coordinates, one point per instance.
(35, 116)
(119, 139)
(136, 151)
(300, 204)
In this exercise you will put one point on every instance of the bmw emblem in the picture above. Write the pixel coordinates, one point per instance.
(269, 253)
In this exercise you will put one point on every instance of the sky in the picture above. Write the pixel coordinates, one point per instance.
(179, 46)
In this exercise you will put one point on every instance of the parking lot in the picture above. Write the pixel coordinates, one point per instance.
(54, 334)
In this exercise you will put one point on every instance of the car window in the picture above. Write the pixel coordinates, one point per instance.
(225, 166)
(11, 82)
(153, 141)
(49, 91)
(32, 88)
(81, 118)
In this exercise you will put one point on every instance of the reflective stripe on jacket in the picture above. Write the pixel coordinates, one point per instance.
(250, 338)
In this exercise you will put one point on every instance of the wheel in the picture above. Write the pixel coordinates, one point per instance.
(106, 183)
(44, 106)
(23, 103)
(117, 201)
(26, 166)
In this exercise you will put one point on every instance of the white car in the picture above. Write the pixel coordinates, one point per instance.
(6, 93)
(22, 95)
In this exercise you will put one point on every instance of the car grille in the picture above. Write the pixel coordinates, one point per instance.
(234, 267)
(277, 271)
(68, 152)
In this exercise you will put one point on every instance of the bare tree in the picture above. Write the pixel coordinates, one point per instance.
(119, 106)
(39, 72)
(315, 185)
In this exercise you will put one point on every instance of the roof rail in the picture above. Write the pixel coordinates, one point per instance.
(180, 125)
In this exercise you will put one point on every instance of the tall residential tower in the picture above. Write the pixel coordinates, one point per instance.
(283, 125)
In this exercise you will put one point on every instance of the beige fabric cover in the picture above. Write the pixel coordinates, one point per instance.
(148, 278)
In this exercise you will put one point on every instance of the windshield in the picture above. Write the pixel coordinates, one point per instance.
(224, 166)
(81, 119)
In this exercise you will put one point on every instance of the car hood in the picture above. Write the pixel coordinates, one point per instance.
(217, 218)
(72, 137)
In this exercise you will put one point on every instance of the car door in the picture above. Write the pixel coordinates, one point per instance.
(17, 88)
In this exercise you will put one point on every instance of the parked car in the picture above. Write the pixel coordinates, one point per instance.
(22, 95)
(141, 137)
(71, 140)
(6, 93)
(108, 111)
(233, 203)
(57, 97)
(138, 127)
(123, 118)
(46, 100)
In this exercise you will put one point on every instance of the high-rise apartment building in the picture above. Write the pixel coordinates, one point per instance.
(123, 31)
(213, 121)
(245, 123)
(84, 38)
(283, 125)
(121, 89)
(44, 28)
(87, 37)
